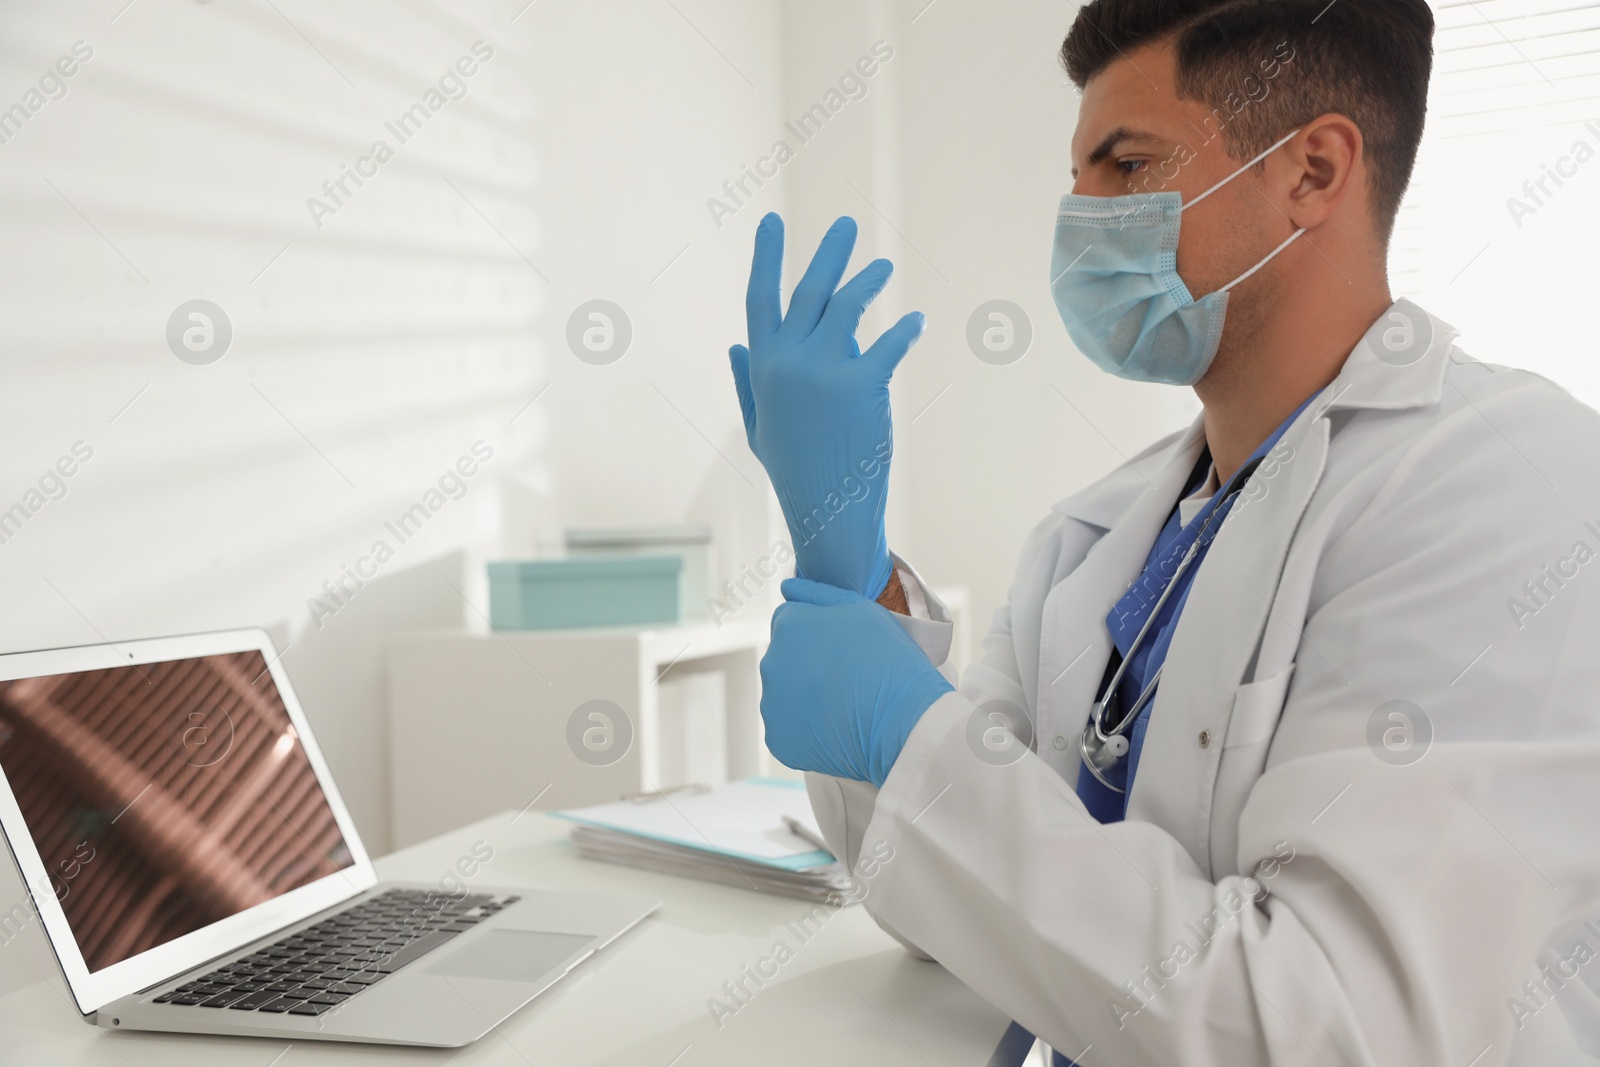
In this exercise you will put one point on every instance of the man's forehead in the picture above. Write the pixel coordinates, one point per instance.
(1133, 94)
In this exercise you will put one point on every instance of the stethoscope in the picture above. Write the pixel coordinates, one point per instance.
(1102, 748)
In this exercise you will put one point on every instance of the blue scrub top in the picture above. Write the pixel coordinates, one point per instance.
(1128, 616)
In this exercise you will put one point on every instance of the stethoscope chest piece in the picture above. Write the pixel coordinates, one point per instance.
(1101, 750)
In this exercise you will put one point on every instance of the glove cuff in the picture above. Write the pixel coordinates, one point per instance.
(871, 587)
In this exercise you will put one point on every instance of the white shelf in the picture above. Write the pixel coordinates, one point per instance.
(479, 722)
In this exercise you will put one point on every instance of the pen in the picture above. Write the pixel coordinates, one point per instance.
(798, 829)
(691, 788)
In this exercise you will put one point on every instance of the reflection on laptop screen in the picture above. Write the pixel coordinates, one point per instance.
(163, 797)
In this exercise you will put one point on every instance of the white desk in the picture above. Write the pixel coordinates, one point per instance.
(850, 996)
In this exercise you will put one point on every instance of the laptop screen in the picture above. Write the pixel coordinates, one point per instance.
(163, 797)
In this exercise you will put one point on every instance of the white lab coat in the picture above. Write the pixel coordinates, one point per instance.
(1404, 907)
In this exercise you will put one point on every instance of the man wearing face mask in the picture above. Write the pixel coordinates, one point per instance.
(1286, 747)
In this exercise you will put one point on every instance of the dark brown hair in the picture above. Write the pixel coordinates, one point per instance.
(1368, 60)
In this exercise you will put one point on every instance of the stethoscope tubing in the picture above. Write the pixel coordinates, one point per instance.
(1096, 724)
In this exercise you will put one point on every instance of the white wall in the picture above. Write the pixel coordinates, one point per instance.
(645, 109)
(420, 317)
(368, 353)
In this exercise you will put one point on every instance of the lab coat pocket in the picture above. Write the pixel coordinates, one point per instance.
(1256, 708)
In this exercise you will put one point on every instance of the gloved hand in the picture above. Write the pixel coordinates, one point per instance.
(842, 685)
(816, 408)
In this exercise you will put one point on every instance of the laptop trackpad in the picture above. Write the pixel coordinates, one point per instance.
(510, 955)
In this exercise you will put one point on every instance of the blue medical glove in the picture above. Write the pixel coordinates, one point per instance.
(842, 685)
(816, 408)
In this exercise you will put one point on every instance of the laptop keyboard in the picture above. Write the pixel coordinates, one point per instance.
(312, 971)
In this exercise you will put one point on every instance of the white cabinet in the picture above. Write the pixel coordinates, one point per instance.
(479, 723)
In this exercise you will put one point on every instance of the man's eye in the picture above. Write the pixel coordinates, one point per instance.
(1130, 166)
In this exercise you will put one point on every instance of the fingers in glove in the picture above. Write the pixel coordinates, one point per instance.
(805, 591)
(821, 278)
(763, 305)
(896, 341)
(851, 302)
(739, 360)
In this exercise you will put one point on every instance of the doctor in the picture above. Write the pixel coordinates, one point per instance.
(1286, 747)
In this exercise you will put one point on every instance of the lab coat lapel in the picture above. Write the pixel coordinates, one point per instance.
(1399, 364)
(1074, 645)
(1216, 640)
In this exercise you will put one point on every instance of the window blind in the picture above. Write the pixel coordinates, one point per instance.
(1499, 228)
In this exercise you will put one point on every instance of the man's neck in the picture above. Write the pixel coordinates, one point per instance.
(1261, 377)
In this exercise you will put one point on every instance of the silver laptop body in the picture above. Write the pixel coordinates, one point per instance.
(195, 870)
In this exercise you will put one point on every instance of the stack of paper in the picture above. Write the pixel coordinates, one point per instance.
(734, 834)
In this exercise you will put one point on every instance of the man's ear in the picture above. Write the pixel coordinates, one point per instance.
(1329, 164)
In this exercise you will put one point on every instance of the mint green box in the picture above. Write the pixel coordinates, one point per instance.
(559, 594)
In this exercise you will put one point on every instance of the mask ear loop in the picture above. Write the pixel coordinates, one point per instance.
(1274, 253)
(1241, 170)
(1270, 257)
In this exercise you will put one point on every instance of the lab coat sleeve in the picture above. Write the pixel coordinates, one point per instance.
(843, 807)
(1392, 914)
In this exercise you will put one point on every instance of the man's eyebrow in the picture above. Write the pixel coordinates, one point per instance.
(1102, 151)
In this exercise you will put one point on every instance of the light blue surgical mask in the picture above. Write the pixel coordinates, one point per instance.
(1115, 280)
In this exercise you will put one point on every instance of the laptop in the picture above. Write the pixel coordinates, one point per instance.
(195, 870)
